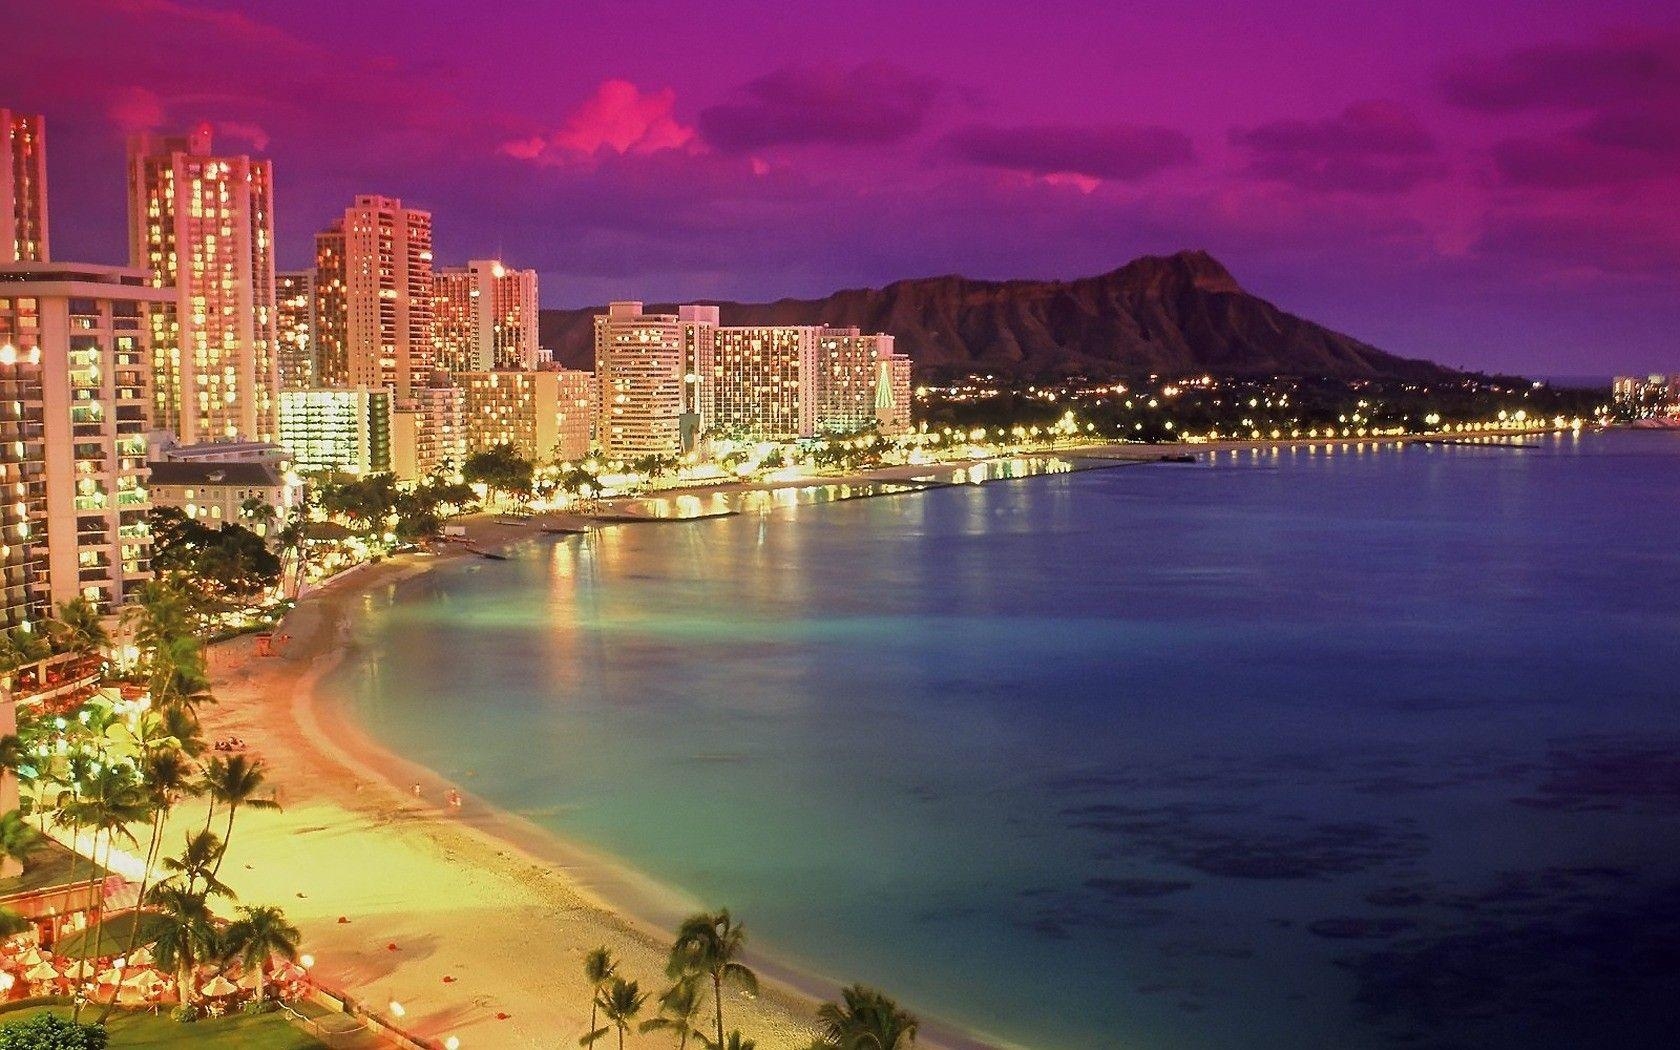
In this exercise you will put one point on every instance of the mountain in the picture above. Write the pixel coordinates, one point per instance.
(1172, 315)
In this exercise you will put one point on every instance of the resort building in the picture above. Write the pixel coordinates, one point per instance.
(337, 429)
(23, 187)
(373, 300)
(484, 317)
(294, 322)
(892, 394)
(762, 383)
(257, 495)
(640, 369)
(1646, 397)
(74, 372)
(429, 433)
(203, 225)
(546, 416)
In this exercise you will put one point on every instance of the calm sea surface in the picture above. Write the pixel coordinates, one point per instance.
(1353, 748)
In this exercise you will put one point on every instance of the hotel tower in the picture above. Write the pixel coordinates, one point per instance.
(485, 317)
(203, 224)
(23, 188)
(373, 298)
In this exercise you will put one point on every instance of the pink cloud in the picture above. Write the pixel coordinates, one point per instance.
(136, 109)
(618, 118)
(245, 131)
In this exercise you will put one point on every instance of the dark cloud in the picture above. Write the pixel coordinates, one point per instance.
(872, 104)
(1370, 147)
(1614, 70)
(1122, 152)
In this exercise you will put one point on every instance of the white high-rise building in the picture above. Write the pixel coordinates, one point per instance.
(74, 377)
(640, 369)
(203, 224)
(484, 317)
(294, 295)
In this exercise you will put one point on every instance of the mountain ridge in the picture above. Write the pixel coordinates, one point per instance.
(1166, 314)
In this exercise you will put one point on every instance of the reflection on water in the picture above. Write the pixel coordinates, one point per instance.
(1358, 747)
(689, 506)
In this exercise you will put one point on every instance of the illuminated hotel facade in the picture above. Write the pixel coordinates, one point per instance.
(203, 224)
(74, 377)
(294, 323)
(337, 429)
(429, 431)
(484, 317)
(547, 416)
(373, 299)
(667, 378)
(640, 371)
(23, 188)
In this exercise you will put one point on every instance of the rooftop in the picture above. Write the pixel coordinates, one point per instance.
(237, 473)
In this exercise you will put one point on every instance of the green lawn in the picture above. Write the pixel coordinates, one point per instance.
(157, 1031)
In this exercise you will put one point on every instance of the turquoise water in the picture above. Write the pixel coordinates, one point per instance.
(1353, 748)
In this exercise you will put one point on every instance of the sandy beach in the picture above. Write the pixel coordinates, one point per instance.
(474, 922)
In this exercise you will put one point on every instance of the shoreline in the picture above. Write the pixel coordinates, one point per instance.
(420, 932)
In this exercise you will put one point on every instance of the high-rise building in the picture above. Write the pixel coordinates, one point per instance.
(294, 322)
(856, 383)
(547, 416)
(204, 225)
(762, 382)
(74, 376)
(337, 429)
(23, 188)
(485, 317)
(429, 432)
(645, 409)
(374, 297)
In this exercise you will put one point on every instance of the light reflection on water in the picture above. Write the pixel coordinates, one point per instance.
(1351, 747)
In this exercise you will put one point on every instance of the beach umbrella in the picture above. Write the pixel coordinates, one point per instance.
(41, 971)
(289, 973)
(141, 979)
(218, 986)
(249, 981)
(110, 976)
(31, 957)
(141, 957)
(81, 970)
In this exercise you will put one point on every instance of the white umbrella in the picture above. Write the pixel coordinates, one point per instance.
(218, 986)
(41, 971)
(31, 957)
(141, 979)
(110, 976)
(141, 957)
(81, 970)
(289, 973)
(250, 980)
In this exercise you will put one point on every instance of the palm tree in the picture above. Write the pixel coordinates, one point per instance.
(78, 627)
(188, 933)
(865, 1019)
(167, 776)
(679, 1009)
(257, 936)
(234, 782)
(620, 1001)
(710, 944)
(18, 841)
(197, 864)
(107, 804)
(736, 1041)
(599, 967)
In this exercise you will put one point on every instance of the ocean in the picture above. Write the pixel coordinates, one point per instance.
(1351, 747)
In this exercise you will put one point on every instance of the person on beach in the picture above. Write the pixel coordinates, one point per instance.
(454, 798)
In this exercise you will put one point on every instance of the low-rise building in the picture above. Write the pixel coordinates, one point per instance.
(258, 495)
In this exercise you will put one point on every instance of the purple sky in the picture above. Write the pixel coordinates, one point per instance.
(1494, 185)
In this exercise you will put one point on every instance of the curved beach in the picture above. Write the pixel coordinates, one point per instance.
(475, 924)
